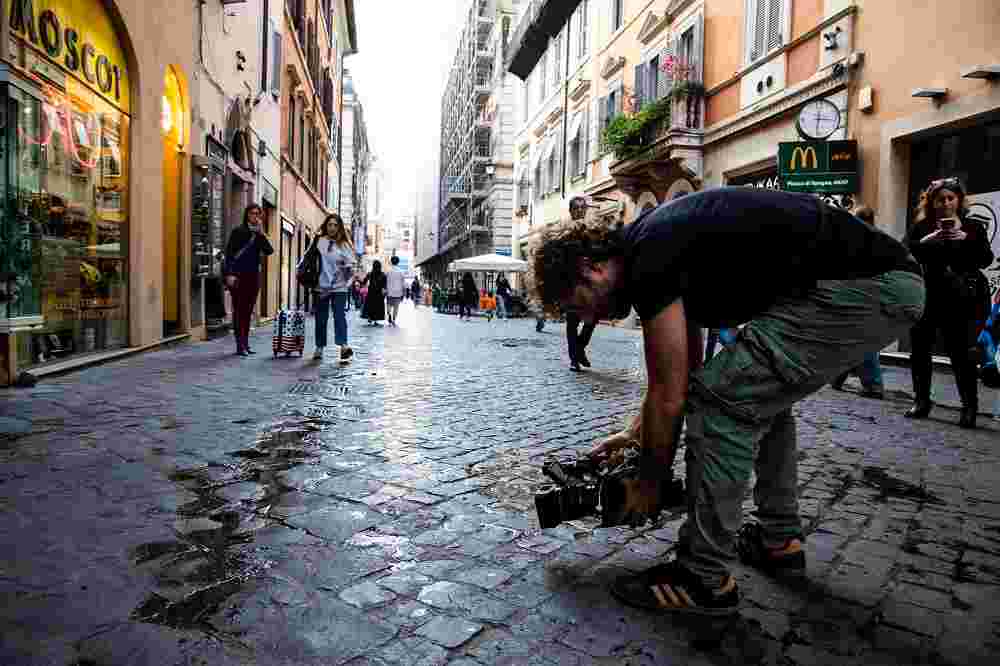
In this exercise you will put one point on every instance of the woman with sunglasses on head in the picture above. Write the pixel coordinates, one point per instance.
(247, 245)
(336, 257)
(952, 247)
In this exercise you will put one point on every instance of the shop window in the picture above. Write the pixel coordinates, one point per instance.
(65, 222)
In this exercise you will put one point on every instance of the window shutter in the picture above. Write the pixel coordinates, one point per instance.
(640, 75)
(276, 58)
(699, 48)
(774, 19)
(557, 164)
(543, 64)
(759, 30)
(665, 80)
(584, 142)
(619, 89)
(602, 122)
(584, 26)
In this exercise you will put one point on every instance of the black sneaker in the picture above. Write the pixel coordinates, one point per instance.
(785, 561)
(345, 354)
(673, 588)
(582, 359)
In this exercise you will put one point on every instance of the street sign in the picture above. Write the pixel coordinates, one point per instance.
(505, 251)
(821, 167)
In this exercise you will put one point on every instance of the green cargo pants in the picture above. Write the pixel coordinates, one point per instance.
(740, 404)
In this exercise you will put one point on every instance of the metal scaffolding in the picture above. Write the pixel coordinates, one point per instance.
(470, 136)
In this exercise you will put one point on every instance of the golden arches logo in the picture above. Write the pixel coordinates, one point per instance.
(805, 154)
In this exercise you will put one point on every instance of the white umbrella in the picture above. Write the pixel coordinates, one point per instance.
(489, 263)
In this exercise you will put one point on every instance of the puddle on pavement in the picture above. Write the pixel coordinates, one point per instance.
(890, 486)
(212, 555)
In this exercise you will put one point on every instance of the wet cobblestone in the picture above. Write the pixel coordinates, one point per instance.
(188, 506)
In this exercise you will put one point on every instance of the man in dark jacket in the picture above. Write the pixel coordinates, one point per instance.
(577, 339)
(818, 287)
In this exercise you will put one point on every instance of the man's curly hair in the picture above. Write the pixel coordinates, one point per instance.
(558, 250)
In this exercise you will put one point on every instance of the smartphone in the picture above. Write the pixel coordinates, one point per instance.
(949, 223)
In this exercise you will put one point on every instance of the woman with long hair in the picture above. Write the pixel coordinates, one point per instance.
(952, 247)
(374, 308)
(336, 257)
(246, 247)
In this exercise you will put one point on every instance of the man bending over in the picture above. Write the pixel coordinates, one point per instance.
(818, 287)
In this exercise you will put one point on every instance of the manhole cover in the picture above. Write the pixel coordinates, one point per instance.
(520, 342)
(314, 388)
(319, 412)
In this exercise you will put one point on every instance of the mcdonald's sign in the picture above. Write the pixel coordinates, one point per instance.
(803, 159)
(823, 167)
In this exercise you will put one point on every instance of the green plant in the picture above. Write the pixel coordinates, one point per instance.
(684, 88)
(624, 134)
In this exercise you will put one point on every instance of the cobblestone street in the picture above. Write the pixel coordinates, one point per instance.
(187, 506)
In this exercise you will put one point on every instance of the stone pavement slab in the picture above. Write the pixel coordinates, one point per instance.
(190, 506)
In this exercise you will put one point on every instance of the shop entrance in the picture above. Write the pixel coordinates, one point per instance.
(172, 115)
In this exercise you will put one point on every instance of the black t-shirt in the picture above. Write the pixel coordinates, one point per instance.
(730, 252)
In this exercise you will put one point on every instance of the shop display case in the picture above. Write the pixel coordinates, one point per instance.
(63, 223)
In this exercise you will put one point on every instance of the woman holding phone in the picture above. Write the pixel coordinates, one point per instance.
(952, 247)
(245, 250)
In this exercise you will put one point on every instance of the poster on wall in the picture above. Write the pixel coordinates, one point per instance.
(987, 206)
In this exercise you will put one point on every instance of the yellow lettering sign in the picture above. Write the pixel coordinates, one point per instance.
(78, 37)
(804, 154)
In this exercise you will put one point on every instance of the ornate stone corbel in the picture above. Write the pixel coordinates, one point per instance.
(611, 65)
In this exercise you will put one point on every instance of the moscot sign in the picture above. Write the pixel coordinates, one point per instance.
(77, 37)
(824, 167)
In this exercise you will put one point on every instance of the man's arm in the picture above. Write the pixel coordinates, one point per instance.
(668, 362)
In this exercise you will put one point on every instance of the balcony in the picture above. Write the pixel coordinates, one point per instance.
(542, 20)
(667, 149)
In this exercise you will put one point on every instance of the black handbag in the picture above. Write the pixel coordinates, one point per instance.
(307, 272)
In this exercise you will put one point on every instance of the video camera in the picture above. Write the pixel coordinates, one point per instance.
(585, 487)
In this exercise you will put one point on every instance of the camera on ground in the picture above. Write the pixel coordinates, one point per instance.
(587, 487)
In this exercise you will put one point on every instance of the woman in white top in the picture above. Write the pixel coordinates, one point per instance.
(394, 289)
(336, 257)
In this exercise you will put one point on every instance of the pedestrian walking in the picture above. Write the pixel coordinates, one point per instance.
(488, 305)
(469, 297)
(415, 292)
(952, 247)
(336, 260)
(819, 288)
(870, 371)
(577, 339)
(374, 308)
(245, 250)
(395, 289)
(503, 297)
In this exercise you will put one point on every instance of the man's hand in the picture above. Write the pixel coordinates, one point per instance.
(612, 444)
(641, 502)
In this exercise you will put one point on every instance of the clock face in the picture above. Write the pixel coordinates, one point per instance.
(819, 119)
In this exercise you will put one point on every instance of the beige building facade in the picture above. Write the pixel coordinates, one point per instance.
(95, 242)
(949, 50)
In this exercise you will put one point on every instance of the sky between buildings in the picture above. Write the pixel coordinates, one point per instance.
(399, 72)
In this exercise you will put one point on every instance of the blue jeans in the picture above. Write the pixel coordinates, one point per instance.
(339, 300)
(870, 372)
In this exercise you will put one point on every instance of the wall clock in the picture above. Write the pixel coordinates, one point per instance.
(818, 120)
